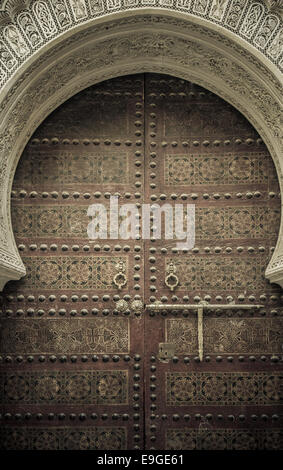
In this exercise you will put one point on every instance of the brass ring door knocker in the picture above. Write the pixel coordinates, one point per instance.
(171, 280)
(120, 279)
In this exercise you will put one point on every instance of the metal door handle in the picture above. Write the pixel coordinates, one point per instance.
(120, 279)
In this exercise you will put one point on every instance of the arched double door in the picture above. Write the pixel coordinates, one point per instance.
(87, 363)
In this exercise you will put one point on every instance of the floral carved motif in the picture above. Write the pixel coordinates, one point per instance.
(82, 336)
(224, 439)
(93, 387)
(75, 438)
(210, 388)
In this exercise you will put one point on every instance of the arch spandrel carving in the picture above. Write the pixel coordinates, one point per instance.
(39, 21)
(275, 5)
(137, 43)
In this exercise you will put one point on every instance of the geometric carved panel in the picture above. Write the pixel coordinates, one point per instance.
(66, 272)
(89, 387)
(45, 168)
(224, 439)
(212, 273)
(227, 336)
(223, 388)
(220, 169)
(72, 438)
(256, 222)
(76, 336)
(233, 223)
(51, 221)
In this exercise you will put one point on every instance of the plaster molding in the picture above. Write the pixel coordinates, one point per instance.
(11, 266)
(274, 5)
(37, 22)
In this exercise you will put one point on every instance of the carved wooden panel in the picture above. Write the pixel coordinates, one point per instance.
(90, 387)
(228, 439)
(84, 335)
(222, 388)
(76, 363)
(227, 335)
(64, 438)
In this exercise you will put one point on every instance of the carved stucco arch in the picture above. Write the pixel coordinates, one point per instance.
(134, 42)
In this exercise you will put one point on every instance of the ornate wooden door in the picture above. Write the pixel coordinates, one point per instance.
(82, 364)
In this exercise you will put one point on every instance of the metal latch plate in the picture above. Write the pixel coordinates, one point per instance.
(166, 351)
